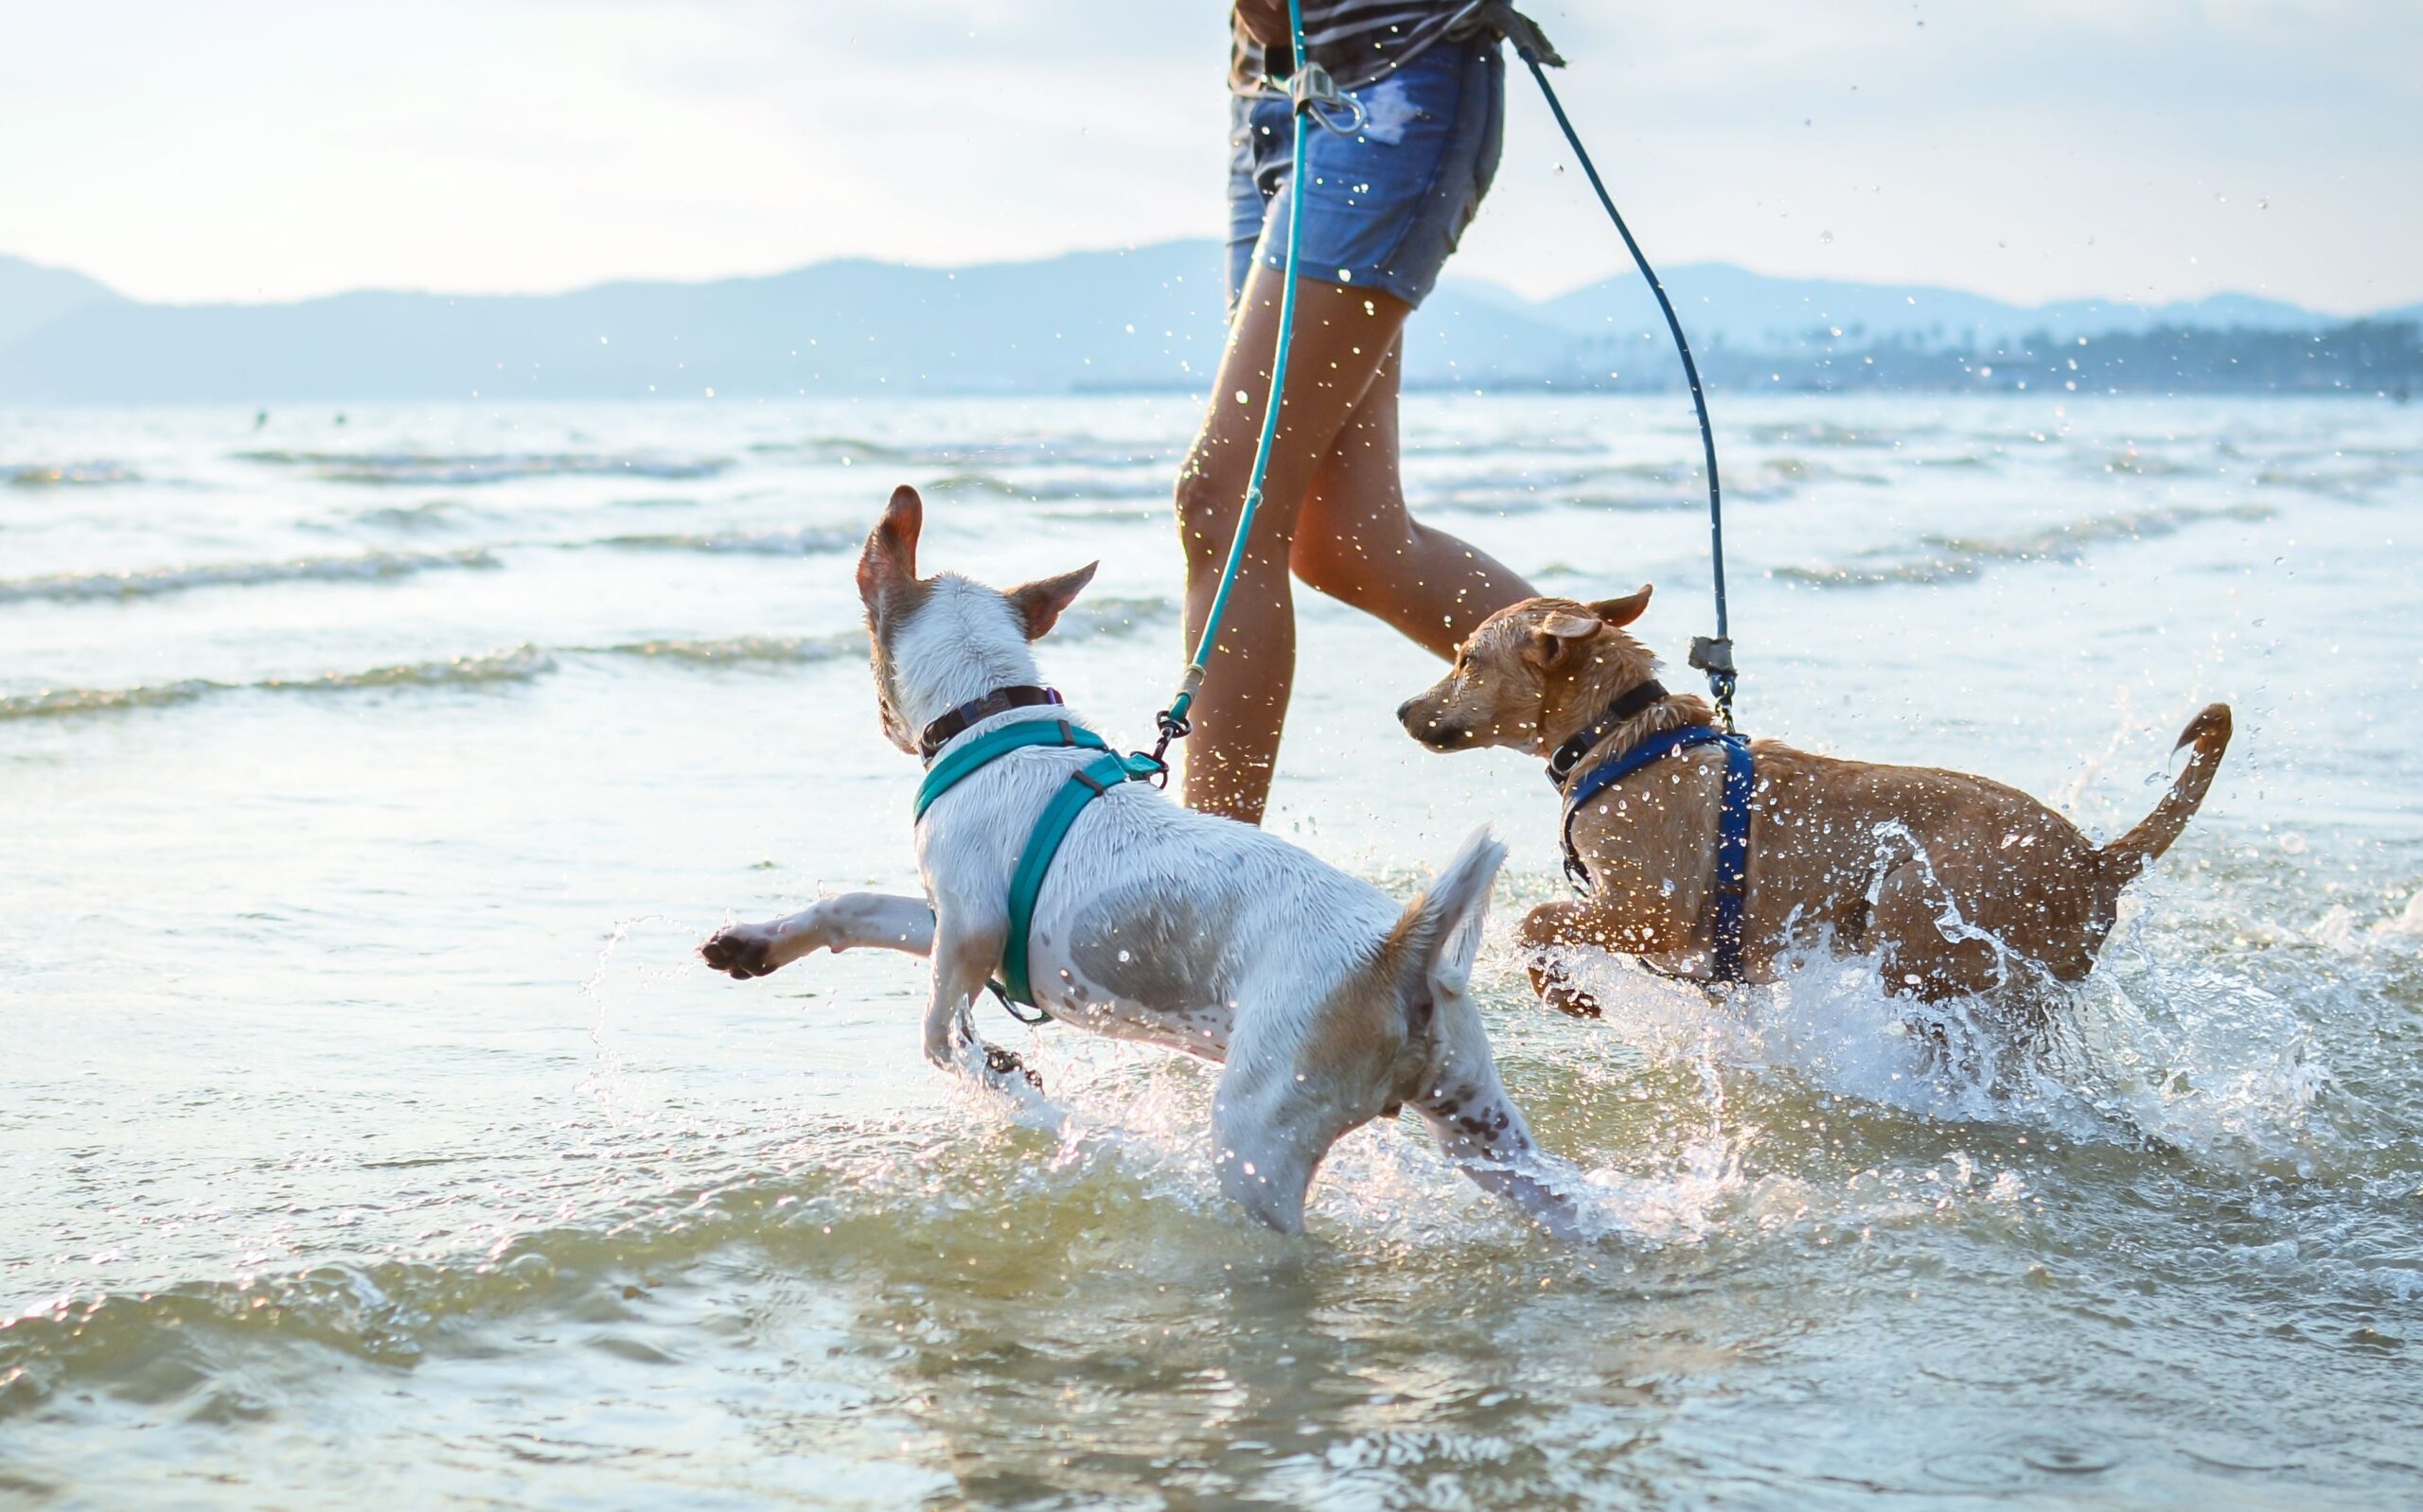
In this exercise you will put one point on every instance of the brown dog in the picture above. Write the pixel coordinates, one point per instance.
(1957, 885)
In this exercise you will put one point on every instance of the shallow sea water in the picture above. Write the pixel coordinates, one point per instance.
(370, 1134)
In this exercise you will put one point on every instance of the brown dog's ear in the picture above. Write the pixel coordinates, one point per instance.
(888, 563)
(1558, 635)
(1623, 610)
(1039, 602)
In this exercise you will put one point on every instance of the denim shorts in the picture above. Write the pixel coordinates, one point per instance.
(1385, 205)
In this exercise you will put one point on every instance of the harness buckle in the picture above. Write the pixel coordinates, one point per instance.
(1311, 88)
(1042, 1015)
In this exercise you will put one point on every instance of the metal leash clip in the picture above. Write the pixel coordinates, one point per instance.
(1713, 654)
(1310, 88)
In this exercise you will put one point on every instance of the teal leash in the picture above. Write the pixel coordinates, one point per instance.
(1309, 86)
(1310, 89)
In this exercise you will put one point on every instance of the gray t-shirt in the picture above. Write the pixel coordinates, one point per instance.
(1357, 40)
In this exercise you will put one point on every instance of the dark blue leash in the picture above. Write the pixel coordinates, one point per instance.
(1712, 655)
(1732, 826)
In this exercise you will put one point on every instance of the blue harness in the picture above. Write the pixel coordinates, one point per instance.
(1732, 825)
(1085, 784)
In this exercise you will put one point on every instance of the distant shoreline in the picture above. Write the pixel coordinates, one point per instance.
(1146, 320)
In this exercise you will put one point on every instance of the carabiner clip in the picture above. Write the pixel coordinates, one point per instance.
(1310, 88)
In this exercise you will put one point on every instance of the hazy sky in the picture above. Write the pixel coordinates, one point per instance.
(2028, 148)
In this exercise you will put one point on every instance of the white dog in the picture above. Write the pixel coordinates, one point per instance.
(1328, 1005)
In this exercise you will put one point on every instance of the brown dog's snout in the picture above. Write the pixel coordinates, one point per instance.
(1427, 728)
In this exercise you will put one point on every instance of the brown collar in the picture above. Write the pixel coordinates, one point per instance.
(999, 701)
(1630, 704)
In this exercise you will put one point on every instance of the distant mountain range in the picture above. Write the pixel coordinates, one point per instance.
(1146, 318)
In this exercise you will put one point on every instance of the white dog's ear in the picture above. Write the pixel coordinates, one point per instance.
(1039, 602)
(1623, 610)
(888, 563)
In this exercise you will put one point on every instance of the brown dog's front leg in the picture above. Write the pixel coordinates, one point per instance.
(1546, 930)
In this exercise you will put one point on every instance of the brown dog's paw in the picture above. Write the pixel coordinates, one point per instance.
(1559, 993)
(739, 953)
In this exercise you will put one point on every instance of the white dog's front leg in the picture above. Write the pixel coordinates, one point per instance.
(849, 921)
(963, 962)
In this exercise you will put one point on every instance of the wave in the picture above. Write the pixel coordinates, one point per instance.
(436, 513)
(1827, 433)
(1105, 617)
(1102, 618)
(67, 475)
(1619, 489)
(522, 663)
(2161, 1051)
(730, 650)
(1117, 616)
(806, 540)
(859, 1197)
(2136, 463)
(146, 583)
(2343, 483)
(1050, 490)
(1954, 559)
(471, 469)
(55, 702)
(1076, 449)
(1537, 445)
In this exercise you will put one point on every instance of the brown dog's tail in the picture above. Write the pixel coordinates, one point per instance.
(2120, 861)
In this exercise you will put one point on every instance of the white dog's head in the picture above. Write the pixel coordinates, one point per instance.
(940, 642)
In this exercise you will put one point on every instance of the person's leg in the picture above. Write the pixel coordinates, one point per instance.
(1342, 335)
(1355, 542)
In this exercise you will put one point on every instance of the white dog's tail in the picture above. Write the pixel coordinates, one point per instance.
(1439, 934)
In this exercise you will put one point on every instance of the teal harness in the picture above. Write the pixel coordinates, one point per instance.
(1085, 784)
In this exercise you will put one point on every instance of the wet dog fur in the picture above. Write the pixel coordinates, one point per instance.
(1327, 1004)
(1955, 885)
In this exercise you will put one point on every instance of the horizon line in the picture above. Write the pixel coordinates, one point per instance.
(949, 268)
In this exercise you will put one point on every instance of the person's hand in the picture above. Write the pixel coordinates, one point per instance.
(1265, 22)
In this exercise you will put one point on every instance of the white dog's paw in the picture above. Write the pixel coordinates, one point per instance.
(741, 951)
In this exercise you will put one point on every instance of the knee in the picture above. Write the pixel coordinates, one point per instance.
(1363, 568)
(1208, 506)
(1327, 564)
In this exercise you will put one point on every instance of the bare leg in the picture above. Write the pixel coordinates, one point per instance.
(1342, 335)
(1355, 542)
(849, 921)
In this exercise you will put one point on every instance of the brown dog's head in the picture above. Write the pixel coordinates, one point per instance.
(1530, 675)
(941, 640)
